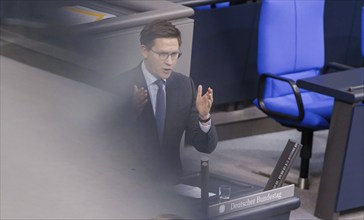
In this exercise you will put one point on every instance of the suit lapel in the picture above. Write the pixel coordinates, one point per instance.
(172, 103)
(147, 116)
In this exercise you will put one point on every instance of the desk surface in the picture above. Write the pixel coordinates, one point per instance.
(337, 84)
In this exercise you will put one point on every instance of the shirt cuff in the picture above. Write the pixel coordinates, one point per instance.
(205, 127)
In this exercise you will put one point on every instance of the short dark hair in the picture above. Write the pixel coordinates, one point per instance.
(159, 29)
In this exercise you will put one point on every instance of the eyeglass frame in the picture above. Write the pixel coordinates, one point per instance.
(160, 54)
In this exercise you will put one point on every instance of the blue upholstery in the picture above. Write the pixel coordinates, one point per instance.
(222, 4)
(202, 7)
(211, 6)
(291, 47)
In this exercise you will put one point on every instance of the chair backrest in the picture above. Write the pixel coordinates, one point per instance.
(290, 41)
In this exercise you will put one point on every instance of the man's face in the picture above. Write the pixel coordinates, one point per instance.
(154, 57)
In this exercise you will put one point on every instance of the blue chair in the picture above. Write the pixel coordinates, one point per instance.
(212, 5)
(291, 47)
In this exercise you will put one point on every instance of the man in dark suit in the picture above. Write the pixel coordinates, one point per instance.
(160, 104)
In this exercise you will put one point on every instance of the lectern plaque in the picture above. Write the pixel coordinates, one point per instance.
(251, 201)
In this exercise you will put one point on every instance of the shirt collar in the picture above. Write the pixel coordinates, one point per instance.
(149, 77)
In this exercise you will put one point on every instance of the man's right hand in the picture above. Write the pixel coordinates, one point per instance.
(140, 98)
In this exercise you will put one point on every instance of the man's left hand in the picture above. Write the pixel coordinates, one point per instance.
(204, 102)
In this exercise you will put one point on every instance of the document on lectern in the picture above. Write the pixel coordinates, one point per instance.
(250, 201)
(190, 191)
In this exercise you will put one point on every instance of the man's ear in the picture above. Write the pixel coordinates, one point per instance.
(144, 50)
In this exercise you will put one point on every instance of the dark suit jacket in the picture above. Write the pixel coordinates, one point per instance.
(181, 115)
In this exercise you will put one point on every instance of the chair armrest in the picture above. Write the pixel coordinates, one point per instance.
(336, 66)
(279, 115)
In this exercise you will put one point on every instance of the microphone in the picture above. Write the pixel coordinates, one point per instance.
(204, 183)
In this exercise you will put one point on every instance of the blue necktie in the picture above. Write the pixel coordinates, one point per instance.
(160, 111)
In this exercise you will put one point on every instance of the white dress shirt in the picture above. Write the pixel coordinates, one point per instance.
(153, 89)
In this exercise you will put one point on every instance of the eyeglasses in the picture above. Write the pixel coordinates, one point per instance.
(164, 56)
